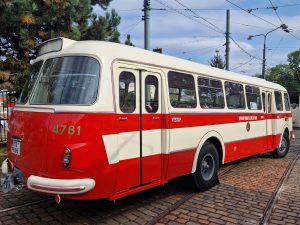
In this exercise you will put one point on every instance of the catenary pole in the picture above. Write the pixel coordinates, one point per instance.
(146, 19)
(227, 39)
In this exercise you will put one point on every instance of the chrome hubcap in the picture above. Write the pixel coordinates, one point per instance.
(207, 167)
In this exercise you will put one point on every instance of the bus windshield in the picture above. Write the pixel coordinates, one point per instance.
(35, 69)
(68, 80)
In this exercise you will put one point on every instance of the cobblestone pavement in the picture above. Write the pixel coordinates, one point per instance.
(246, 195)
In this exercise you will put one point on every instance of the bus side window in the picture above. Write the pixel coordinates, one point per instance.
(127, 92)
(253, 97)
(234, 95)
(264, 100)
(269, 103)
(287, 102)
(278, 101)
(151, 94)
(182, 90)
(210, 93)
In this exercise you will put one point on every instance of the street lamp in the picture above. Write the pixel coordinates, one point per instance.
(284, 28)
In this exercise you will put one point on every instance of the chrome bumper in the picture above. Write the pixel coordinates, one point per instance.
(60, 186)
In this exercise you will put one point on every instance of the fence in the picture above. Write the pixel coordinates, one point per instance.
(7, 102)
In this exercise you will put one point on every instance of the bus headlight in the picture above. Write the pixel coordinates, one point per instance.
(67, 157)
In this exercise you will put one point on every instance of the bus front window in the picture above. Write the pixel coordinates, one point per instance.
(68, 80)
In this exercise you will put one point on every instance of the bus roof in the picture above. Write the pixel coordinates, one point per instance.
(112, 51)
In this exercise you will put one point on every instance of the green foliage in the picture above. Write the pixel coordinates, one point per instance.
(217, 61)
(259, 75)
(102, 27)
(294, 62)
(3, 154)
(128, 40)
(284, 74)
(26, 23)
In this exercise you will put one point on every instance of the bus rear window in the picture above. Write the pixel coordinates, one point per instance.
(25, 94)
(68, 80)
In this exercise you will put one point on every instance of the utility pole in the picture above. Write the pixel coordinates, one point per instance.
(227, 38)
(263, 72)
(146, 19)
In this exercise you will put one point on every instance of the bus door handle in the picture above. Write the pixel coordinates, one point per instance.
(155, 118)
(123, 118)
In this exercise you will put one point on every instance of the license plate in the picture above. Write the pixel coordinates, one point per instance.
(16, 146)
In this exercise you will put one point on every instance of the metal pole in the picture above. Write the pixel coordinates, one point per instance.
(227, 38)
(264, 58)
(146, 24)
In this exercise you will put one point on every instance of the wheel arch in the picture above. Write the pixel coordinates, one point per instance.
(285, 129)
(215, 138)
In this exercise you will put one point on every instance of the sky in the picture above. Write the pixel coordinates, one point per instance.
(197, 34)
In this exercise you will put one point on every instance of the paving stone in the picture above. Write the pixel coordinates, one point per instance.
(289, 194)
(241, 198)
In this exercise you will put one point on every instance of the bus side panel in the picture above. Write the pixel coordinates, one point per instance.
(180, 163)
(187, 131)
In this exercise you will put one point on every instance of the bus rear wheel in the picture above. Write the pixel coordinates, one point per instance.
(284, 147)
(206, 174)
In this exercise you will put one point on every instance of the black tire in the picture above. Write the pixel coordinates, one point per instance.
(206, 174)
(284, 147)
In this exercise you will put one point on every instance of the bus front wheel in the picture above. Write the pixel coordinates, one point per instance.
(206, 174)
(284, 147)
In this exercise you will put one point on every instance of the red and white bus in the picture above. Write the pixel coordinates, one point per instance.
(105, 120)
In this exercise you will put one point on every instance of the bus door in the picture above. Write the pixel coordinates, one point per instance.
(138, 150)
(269, 121)
(151, 114)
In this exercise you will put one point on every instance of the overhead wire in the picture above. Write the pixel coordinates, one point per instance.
(207, 50)
(235, 42)
(131, 27)
(198, 16)
(248, 11)
(214, 9)
(187, 16)
(242, 64)
(280, 41)
(242, 49)
(275, 10)
(243, 24)
(197, 39)
(200, 49)
(212, 28)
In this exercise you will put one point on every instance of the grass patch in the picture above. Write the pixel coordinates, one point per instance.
(3, 154)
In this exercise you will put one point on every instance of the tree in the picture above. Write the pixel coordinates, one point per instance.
(284, 75)
(288, 75)
(102, 27)
(128, 40)
(217, 61)
(294, 62)
(259, 75)
(26, 23)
